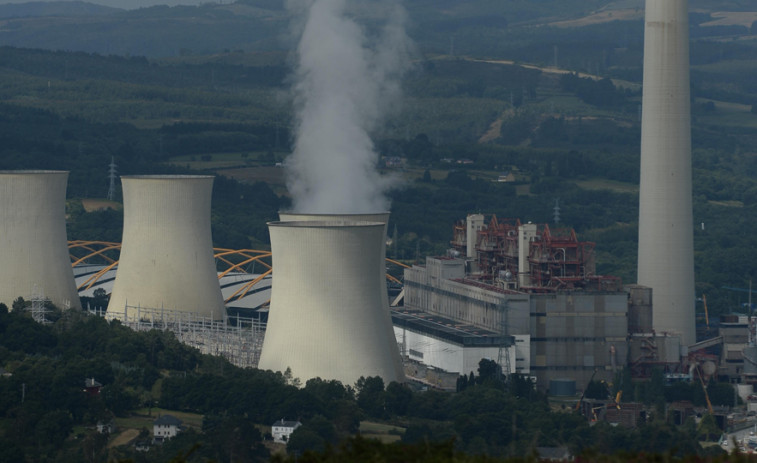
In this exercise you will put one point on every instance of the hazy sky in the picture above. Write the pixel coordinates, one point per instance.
(131, 4)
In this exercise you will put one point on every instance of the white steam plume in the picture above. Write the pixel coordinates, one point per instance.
(345, 84)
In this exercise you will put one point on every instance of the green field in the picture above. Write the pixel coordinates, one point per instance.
(612, 185)
(384, 432)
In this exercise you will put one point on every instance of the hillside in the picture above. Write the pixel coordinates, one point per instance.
(514, 29)
(569, 138)
(46, 415)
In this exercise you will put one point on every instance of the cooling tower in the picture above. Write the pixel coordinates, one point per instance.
(33, 245)
(327, 317)
(666, 241)
(167, 252)
(382, 217)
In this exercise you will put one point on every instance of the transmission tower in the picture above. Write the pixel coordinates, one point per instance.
(112, 177)
(38, 309)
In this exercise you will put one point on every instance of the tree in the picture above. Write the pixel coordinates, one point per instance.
(304, 439)
(488, 371)
(708, 428)
(100, 298)
(596, 390)
(370, 396)
(398, 397)
(19, 304)
(290, 379)
(462, 383)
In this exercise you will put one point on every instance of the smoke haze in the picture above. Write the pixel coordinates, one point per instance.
(345, 84)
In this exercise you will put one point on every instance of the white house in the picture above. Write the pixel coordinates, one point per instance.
(165, 427)
(281, 430)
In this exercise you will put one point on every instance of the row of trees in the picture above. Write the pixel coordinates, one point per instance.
(43, 401)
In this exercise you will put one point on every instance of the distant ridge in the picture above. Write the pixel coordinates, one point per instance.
(46, 9)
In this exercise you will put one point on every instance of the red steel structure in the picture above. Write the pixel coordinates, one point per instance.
(557, 260)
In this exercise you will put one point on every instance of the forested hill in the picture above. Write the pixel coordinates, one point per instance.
(59, 9)
(478, 27)
(76, 112)
(46, 414)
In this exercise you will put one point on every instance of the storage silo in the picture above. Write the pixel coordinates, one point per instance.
(326, 318)
(167, 258)
(33, 244)
(666, 225)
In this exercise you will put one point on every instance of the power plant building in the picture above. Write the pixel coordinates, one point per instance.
(166, 258)
(327, 317)
(533, 284)
(666, 235)
(34, 252)
(570, 334)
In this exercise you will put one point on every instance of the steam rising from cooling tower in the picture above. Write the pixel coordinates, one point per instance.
(345, 81)
(33, 245)
(167, 258)
(666, 248)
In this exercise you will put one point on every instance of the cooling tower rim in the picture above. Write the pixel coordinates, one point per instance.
(32, 172)
(166, 177)
(328, 214)
(339, 224)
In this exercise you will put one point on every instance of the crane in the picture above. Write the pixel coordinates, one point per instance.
(580, 400)
(704, 388)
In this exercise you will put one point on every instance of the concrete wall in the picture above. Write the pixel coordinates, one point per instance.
(449, 356)
(33, 244)
(466, 303)
(573, 334)
(640, 309)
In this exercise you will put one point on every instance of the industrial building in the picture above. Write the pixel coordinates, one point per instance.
(528, 281)
(166, 260)
(326, 316)
(34, 252)
(570, 333)
(442, 344)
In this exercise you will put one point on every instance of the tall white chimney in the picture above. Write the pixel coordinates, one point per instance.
(666, 236)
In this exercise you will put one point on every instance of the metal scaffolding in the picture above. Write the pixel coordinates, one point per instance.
(38, 307)
(237, 339)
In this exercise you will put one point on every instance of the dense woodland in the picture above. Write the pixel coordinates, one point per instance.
(45, 414)
(205, 90)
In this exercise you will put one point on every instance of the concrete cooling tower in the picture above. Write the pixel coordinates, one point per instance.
(327, 317)
(167, 252)
(33, 245)
(666, 234)
(382, 217)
